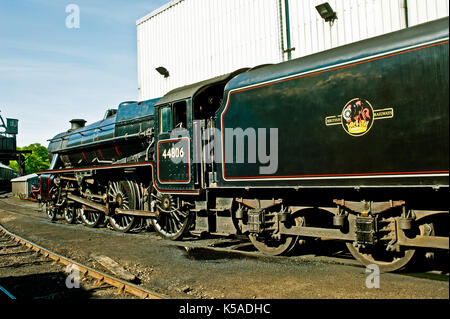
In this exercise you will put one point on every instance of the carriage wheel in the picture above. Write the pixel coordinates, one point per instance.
(272, 246)
(386, 261)
(173, 221)
(124, 195)
(389, 261)
(282, 244)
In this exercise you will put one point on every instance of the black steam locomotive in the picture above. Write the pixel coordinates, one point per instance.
(349, 144)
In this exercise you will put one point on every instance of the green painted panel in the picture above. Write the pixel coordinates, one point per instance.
(405, 94)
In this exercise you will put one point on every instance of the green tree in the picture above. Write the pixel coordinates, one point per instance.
(36, 161)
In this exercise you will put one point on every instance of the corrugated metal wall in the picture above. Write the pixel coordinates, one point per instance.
(199, 39)
(357, 20)
(420, 11)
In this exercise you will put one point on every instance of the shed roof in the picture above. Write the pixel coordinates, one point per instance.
(5, 167)
(24, 178)
(158, 11)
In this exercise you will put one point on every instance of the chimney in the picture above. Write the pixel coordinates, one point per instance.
(76, 124)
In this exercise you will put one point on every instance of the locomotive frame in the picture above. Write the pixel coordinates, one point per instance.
(387, 206)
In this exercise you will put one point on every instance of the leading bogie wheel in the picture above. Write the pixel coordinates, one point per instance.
(50, 211)
(70, 214)
(91, 218)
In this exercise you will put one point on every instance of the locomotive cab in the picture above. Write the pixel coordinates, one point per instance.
(181, 118)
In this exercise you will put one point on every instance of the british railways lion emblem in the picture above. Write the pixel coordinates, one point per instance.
(357, 117)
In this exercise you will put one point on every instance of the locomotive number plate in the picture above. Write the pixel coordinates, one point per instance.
(174, 161)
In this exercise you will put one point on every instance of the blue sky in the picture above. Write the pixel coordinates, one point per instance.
(50, 74)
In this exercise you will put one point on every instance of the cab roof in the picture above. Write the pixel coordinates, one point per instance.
(190, 90)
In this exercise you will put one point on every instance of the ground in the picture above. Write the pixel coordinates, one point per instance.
(190, 269)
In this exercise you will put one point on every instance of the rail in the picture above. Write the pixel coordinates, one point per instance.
(100, 276)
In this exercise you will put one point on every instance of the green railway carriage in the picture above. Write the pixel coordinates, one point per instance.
(349, 144)
(6, 174)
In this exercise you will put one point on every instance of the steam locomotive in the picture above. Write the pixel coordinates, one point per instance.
(349, 144)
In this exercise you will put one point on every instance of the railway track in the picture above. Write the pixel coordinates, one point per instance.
(228, 248)
(33, 274)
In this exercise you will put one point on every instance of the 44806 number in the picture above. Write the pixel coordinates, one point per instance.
(174, 152)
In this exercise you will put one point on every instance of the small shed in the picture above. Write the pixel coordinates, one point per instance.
(22, 186)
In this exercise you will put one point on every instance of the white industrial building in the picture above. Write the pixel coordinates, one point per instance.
(193, 40)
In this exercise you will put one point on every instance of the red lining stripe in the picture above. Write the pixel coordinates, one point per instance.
(194, 192)
(117, 151)
(342, 175)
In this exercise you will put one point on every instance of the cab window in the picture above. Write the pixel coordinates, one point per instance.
(165, 117)
(179, 115)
